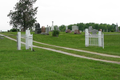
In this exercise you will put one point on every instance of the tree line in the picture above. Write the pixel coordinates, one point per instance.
(83, 26)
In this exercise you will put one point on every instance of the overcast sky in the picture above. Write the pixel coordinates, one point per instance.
(67, 12)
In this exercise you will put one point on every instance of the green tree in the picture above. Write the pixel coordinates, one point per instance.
(70, 26)
(23, 14)
(62, 28)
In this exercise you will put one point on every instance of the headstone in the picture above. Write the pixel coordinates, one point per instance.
(37, 28)
(100, 30)
(117, 29)
(94, 31)
(74, 28)
(76, 32)
(90, 29)
(66, 27)
(57, 28)
(43, 30)
(68, 31)
(47, 31)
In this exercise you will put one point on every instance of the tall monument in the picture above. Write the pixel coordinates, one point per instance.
(52, 28)
(117, 29)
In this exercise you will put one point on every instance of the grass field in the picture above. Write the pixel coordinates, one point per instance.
(112, 42)
(47, 65)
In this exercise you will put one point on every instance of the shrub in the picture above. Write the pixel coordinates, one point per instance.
(14, 30)
(112, 30)
(55, 33)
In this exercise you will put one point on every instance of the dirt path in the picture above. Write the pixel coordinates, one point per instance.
(101, 54)
(108, 61)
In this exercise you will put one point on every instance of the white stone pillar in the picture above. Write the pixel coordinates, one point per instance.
(52, 28)
(99, 39)
(19, 40)
(86, 38)
(27, 38)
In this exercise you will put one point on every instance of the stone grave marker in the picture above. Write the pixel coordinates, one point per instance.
(90, 29)
(37, 28)
(43, 30)
(94, 31)
(66, 27)
(117, 29)
(57, 28)
(100, 30)
(74, 28)
(76, 32)
(68, 31)
(47, 31)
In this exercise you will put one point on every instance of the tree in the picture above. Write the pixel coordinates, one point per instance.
(62, 28)
(23, 15)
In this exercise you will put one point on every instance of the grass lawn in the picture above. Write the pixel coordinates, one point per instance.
(112, 42)
(47, 65)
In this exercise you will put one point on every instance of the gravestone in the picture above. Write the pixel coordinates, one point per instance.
(66, 27)
(117, 29)
(57, 28)
(47, 31)
(74, 28)
(68, 31)
(37, 28)
(90, 29)
(100, 30)
(43, 30)
(94, 31)
(76, 32)
(49, 28)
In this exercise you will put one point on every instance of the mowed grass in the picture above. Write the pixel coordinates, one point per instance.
(47, 65)
(111, 42)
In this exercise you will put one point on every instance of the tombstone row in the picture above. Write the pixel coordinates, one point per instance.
(74, 29)
(43, 30)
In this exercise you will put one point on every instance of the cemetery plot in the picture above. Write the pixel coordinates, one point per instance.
(94, 39)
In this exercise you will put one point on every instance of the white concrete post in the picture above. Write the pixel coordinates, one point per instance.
(19, 40)
(30, 41)
(99, 39)
(27, 38)
(86, 37)
(103, 41)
